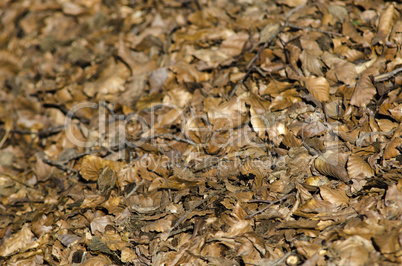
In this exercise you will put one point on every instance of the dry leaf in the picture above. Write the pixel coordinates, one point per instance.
(358, 167)
(92, 167)
(99, 224)
(330, 165)
(18, 242)
(364, 90)
(318, 87)
(311, 62)
(387, 20)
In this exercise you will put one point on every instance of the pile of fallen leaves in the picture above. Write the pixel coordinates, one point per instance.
(200, 132)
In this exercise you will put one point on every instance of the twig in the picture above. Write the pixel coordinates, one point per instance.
(281, 261)
(59, 165)
(41, 133)
(82, 154)
(66, 112)
(388, 75)
(252, 63)
(363, 136)
(313, 29)
(193, 207)
(168, 136)
(137, 185)
(181, 230)
(270, 203)
(294, 10)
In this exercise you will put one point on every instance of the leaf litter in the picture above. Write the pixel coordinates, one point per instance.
(200, 132)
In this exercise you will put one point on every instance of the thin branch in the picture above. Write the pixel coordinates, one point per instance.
(168, 136)
(314, 29)
(137, 185)
(193, 207)
(181, 230)
(82, 154)
(65, 111)
(41, 133)
(253, 62)
(386, 76)
(59, 165)
(270, 203)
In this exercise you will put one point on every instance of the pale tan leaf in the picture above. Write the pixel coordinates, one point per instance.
(269, 31)
(329, 164)
(335, 109)
(354, 250)
(396, 35)
(351, 32)
(257, 122)
(99, 224)
(338, 12)
(386, 125)
(160, 225)
(396, 112)
(350, 54)
(17, 242)
(317, 181)
(311, 63)
(335, 196)
(274, 87)
(312, 129)
(318, 87)
(344, 72)
(331, 59)
(364, 90)
(390, 150)
(292, 3)
(387, 20)
(92, 166)
(233, 45)
(357, 167)
(68, 239)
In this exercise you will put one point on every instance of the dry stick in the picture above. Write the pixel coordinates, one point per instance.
(386, 76)
(82, 154)
(41, 133)
(137, 185)
(253, 61)
(270, 203)
(168, 136)
(181, 230)
(66, 112)
(313, 29)
(59, 165)
(195, 205)
(281, 261)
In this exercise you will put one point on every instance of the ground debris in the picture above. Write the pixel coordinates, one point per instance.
(200, 132)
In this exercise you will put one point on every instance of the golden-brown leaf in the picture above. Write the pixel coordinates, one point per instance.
(358, 167)
(92, 166)
(364, 90)
(19, 241)
(330, 165)
(335, 196)
(318, 87)
(311, 63)
(387, 20)
(390, 150)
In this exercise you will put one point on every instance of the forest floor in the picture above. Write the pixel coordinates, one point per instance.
(227, 132)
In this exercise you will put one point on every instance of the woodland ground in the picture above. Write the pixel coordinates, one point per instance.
(169, 132)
